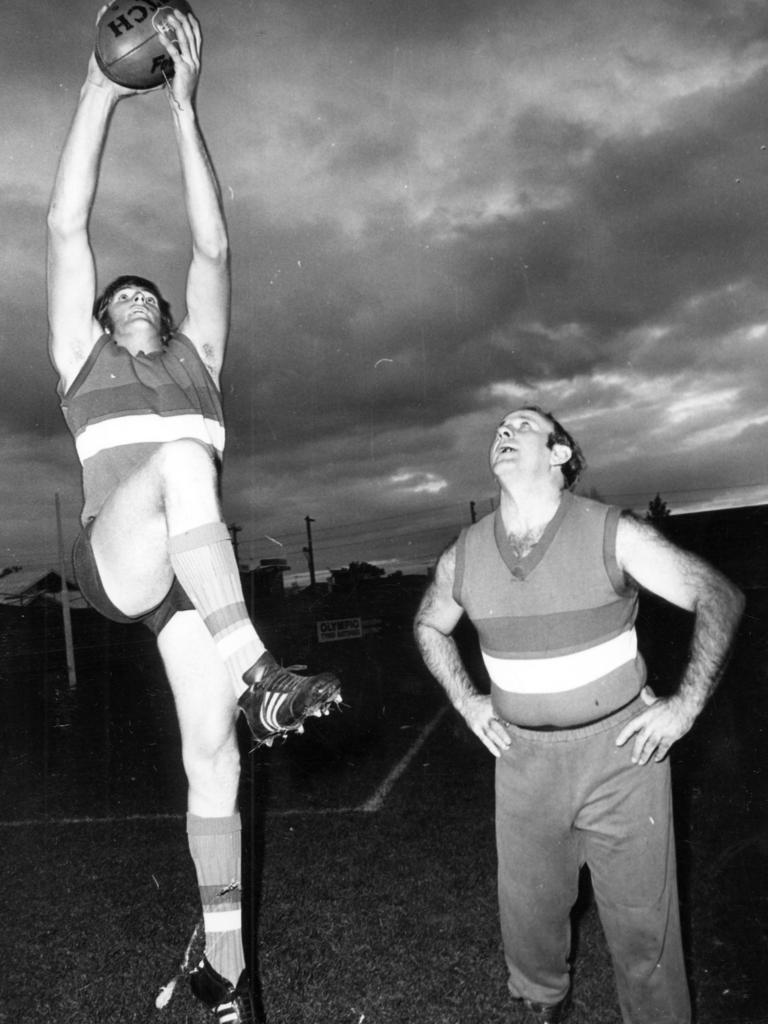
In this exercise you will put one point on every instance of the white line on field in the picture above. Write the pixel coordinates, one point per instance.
(85, 820)
(376, 801)
(291, 812)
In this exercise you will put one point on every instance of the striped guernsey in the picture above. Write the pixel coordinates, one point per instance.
(556, 628)
(121, 408)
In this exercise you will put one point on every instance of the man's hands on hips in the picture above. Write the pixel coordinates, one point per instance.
(657, 728)
(479, 715)
(664, 722)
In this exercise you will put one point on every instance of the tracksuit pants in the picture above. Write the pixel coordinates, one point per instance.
(572, 797)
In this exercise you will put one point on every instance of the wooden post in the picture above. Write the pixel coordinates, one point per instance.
(310, 553)
(65, 611)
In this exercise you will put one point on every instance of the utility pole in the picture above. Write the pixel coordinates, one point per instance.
(233, 532)
(309, 553)
(65, 610)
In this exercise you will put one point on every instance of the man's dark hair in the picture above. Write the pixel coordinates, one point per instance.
(101, 312)
(575, 466)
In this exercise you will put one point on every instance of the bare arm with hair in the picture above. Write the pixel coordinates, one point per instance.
(689, 582)
(437, 617)
(71, 274)
(206, 322)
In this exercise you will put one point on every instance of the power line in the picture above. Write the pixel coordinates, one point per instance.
(359, 532)
(458, 506)
(403, 526)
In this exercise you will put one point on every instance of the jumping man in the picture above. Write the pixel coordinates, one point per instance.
(142, 399)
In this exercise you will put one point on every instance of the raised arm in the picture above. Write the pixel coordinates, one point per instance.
(71, 270)
(717, 605)
(206, 321)
(435, 621)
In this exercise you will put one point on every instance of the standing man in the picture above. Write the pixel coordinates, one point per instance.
(551, 583)
(143, 402)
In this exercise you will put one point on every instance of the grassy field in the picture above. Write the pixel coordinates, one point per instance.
(370, 881)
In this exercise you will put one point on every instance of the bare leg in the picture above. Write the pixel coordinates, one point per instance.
(165, 520)
(206, 710)
(174, 491)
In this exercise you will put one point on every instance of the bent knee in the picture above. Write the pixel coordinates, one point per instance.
(181, 453)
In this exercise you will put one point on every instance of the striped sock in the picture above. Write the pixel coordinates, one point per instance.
(204, 562)
(215, 845)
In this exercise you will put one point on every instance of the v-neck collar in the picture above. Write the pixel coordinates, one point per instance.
(520, 568)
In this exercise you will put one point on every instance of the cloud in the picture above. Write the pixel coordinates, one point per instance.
(437, 210)
(418, 482)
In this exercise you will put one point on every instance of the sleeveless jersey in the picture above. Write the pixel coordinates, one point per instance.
(556, 628)
(121, 408)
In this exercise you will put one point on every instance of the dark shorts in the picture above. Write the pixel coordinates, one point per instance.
(89, 582)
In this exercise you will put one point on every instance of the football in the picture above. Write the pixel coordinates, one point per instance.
(128, 47)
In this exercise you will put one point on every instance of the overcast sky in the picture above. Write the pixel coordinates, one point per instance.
(438, 210)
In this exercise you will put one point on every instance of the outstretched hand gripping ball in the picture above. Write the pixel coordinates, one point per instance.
(128, 47)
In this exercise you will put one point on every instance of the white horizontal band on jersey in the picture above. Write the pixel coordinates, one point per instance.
(148, 428)
(563, 672)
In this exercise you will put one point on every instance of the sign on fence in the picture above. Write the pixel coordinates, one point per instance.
(339, 629)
